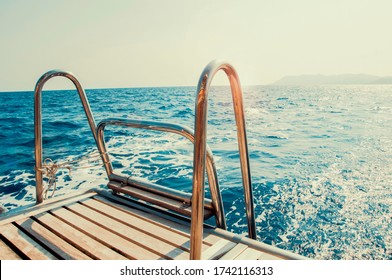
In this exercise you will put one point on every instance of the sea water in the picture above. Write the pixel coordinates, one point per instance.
(321, 157)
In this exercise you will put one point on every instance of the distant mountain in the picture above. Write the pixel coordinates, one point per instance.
(345, 79)
(383, 80)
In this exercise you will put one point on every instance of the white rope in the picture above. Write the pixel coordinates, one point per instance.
(50, 168)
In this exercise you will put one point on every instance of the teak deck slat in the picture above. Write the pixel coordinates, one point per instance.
(161, 248)
(109, 227)
(138, 222)
(6, 253)
(108, 238)
(158, 231)
(30, 248)
(184, 230)
(55, 243)
(83, 242)
(45, 206)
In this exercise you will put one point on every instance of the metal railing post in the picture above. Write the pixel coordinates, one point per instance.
(199, 160)
(38, 122)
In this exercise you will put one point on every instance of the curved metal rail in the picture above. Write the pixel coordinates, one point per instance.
(200, 152)
(173, 128)
(38, 121)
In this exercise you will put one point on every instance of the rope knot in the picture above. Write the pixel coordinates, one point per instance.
(50, 169)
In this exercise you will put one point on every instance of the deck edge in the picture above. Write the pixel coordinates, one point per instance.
(27, 210)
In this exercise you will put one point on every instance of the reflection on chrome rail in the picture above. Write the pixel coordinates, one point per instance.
(200, 152)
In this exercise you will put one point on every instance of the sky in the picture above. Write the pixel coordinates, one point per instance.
(113, 44)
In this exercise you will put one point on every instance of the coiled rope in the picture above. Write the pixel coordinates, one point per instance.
(50, 169)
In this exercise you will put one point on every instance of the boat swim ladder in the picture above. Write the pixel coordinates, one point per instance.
(199, 160)
(201, 150)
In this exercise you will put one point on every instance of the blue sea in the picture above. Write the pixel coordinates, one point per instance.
(321, 157)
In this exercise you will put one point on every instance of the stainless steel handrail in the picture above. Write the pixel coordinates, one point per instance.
(173, 128)
(38, 122)
(200, 152)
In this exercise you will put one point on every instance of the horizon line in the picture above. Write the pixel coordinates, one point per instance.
(130, 87)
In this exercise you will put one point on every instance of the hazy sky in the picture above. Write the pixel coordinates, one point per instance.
(168, 43)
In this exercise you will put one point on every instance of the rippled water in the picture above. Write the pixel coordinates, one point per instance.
(320, 157)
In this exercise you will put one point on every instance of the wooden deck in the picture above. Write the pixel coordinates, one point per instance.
(97, 226)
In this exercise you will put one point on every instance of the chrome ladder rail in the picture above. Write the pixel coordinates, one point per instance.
(38, 122)
(199, 161)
